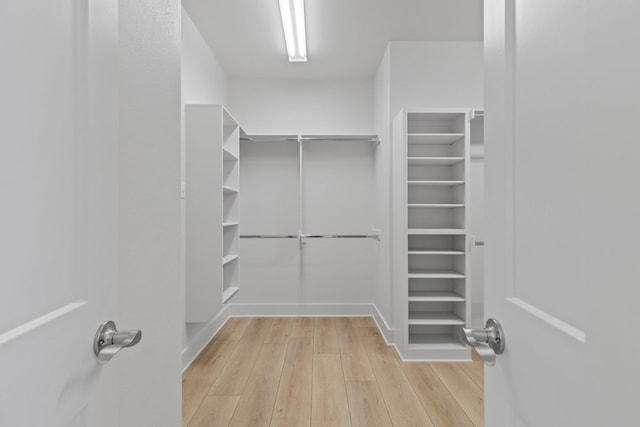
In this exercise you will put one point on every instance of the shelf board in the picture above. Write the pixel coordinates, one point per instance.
(227, 259)
(228, 155)
(435, 296)
(438, 231)
(435, 183)
(436, 205)
(228, 293)
(434, 318)
(434, 138)
(434, 161)
(436, 252)
(230, 224)
(435, 340)
(229, 190)
(435, 274)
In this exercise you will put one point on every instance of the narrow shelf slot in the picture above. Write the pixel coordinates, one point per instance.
(434, 318)
(228, 155)
(229, 190)
(434, 138)
(228, 293)
(230, 224)
(229, 258)
(435, 183)
(435, 231)
(434, 161)
(436, 205)
(435, 340)
(436, 252)
(435, 274)
(435, 296)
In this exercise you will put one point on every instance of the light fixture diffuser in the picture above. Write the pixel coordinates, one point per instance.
(292, 13)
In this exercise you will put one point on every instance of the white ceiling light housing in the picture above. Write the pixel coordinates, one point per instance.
(292, 12)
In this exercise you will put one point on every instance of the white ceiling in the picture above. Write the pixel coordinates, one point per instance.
(344, 37)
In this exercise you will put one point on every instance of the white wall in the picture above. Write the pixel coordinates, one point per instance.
(382, 105)
(436, 75)
(416, 75)
(203, 81)
(149, 212)
(341, 105)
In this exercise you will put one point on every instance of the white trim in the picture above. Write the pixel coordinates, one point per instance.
(302, 310)
(387, 332)
(203, 337)
(564, 327)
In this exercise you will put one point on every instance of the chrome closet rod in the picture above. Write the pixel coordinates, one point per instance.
(310, 138)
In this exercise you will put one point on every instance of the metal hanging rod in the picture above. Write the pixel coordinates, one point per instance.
(310, 138)
(310, 236)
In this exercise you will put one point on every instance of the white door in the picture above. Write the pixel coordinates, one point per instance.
(89, 221)
(563, 211)
(59, 211)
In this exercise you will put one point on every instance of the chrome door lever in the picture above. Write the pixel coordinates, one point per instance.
(109, 341)
(487, 342)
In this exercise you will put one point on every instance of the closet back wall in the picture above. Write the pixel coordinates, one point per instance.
(315, 276)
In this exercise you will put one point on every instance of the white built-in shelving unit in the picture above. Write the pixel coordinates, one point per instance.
(431, 173)
(212, 139)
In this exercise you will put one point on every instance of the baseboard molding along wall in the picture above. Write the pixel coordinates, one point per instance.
(200, 341)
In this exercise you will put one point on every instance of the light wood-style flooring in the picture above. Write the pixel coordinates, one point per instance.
(325, 371)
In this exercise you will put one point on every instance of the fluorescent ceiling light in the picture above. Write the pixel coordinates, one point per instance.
(292, 12)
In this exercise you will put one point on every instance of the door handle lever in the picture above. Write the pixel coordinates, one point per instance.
(487, 342)
(109, 341)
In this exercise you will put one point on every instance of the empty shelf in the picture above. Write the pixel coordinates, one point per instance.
(435, 274)
(228, 155)
(434, 318)
(434, 138)
(434, 161)
(435, 252)
(445, 231)
(435, 296)
(229, 190)
(228, 293)
(437, 340)
(230, 224)
(436, 205)
(435, 183)
(227, 259)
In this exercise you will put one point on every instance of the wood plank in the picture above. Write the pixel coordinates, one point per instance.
(233, 329)
(441, 406)
(355, 363)
(403, 405)
(371, 336)
(365, 322)
(475, 370)
(293, 402)
(233, 377)
(215, 411)
(255, 407)
(366, 404)
(302, 327)
(325, 338)
(199, 377)
(329, 396)
(280, 330)
(466, 392)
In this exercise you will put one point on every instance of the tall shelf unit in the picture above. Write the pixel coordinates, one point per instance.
(432, 158)
(212, 166)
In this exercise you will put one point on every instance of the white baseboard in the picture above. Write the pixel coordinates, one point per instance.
(302, 310)
(204, 336)
(387, 332)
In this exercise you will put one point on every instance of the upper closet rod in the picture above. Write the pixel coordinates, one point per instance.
(310, 138)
